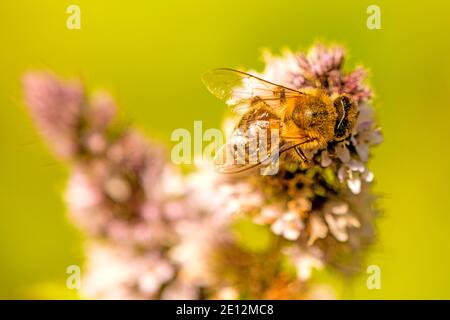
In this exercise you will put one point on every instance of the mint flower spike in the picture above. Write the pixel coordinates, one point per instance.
(325, 211)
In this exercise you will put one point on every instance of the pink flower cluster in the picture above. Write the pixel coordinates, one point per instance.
(326, 213)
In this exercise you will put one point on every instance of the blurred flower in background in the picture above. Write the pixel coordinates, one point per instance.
(122, 192)
(154, 233)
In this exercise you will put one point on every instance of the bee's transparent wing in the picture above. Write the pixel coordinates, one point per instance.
(255, 147)
(240, 89)
(246, 149)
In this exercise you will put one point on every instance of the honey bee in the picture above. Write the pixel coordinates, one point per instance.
(306, 120)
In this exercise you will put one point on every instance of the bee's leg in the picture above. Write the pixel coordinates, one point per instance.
(301, 154)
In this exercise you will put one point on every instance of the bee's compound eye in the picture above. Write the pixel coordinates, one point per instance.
(343, 105)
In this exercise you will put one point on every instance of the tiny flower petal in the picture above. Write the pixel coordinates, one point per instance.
(342, 152)
(354, 184)
(325, 159)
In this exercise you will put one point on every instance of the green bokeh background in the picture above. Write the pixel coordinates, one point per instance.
(151, 55)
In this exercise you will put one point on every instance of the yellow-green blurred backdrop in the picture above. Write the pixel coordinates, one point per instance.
(151, 54)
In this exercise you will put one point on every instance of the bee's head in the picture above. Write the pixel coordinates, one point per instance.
(347, 114)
